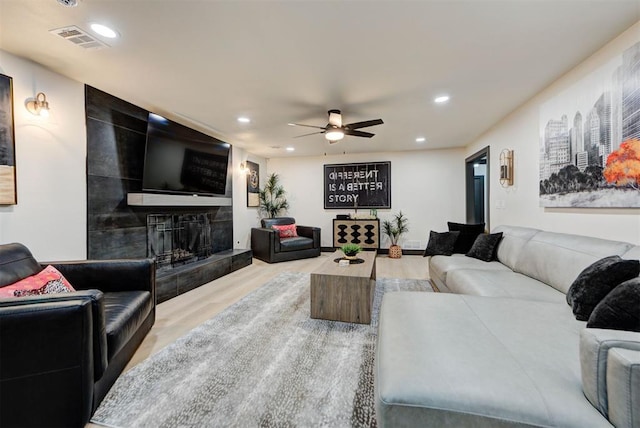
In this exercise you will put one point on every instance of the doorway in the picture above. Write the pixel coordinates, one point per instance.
(477, 187)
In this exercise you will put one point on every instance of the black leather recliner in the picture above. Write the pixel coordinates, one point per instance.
(61, 353)
(266, 244)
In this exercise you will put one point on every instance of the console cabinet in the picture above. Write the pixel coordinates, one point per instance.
(365, 233)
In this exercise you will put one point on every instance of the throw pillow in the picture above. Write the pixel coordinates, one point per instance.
(441, 244)
(286, 230)
(485, 246)
(468, 235)
(620, 309)
(596, 281)
(49, 280)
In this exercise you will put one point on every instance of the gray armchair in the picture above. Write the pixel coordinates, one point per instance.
(267, 245)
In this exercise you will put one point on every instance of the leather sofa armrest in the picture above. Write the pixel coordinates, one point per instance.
(46, 358)
(264, 242)
(110, 275)
(310, 232)
(98, 325)
(594, 354)
(623, 387)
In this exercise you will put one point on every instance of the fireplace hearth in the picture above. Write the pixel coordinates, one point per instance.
(178, 239)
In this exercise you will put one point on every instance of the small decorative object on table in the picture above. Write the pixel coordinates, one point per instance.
(350, 251)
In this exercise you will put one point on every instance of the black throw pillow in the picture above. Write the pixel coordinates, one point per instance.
(485, 246)
(620, 309)
(441, 244)
(468, 235)
(596, 281)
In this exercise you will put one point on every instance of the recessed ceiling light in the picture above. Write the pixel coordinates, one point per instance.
(104, 31)
(290, 149)
(243, 119)
(420, 140)
(441, 99)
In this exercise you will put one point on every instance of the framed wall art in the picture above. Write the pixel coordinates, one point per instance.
(253, 184)
(357, 185)
(590, 139)
(8, 194)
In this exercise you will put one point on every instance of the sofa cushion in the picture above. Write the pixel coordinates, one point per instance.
(439, 266)
(441, 244)
(295, 244)
(632, 254)
(596, 281)
(47, 281)
(557, 258)
(498, 283)
(513, 240)
(468, 234)
(454, 360)
(485, 246)
(286, 230)
(125, 311)
(620, 309)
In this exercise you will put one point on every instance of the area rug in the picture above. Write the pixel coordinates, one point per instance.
(261, 362)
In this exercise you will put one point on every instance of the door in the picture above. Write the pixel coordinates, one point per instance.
(477, 187)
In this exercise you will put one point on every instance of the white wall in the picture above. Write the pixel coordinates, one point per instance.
(50, 217)
(428, 186)
(520, 131)
(244, 218)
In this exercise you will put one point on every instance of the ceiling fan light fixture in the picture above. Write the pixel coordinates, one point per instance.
(334, 135)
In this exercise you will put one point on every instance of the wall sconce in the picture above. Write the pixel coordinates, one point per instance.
(506, 168)
(39, 106)
(244, 169)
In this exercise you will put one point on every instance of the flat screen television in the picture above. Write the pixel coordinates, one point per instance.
(181, 160)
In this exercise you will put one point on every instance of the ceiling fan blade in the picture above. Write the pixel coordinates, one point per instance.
(308, 126)
(358, 125)
(358, 133)
(335, 118)
(306, 135)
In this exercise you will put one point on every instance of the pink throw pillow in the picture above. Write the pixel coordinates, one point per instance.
(49, 280)
(286, 231)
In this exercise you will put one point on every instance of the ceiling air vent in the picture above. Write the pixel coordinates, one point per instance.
(78, 37)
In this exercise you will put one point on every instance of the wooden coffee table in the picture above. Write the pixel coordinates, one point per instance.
(344, 293)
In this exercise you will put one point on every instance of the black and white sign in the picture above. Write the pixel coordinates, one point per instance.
(357, 185)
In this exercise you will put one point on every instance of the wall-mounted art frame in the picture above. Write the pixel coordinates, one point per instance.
(253, 184)
(590, 139)
(357, 185)
(8, 194)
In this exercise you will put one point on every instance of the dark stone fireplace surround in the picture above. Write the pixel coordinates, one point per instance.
(116, 138)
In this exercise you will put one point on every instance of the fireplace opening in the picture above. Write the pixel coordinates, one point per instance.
(178, 239)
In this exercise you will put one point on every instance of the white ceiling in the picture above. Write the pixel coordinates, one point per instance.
(204, 63)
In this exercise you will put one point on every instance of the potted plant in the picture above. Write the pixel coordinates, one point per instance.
(272, 197)
(350, 251)
(394, 229)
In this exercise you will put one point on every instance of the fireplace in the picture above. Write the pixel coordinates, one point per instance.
(178, 239)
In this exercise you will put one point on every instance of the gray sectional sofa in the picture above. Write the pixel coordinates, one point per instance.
(500, 347)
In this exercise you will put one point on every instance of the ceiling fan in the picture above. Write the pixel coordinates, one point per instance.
(335, 131)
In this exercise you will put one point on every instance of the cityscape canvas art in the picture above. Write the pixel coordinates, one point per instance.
(590, 139)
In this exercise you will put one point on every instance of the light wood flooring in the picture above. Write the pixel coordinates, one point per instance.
(176, 317)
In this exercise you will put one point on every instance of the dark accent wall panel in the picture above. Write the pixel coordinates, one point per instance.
(116, 138)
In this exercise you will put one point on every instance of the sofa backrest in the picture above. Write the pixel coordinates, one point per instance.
(558, 258)
(280, 221)
(513, 240)
(16, 263)
(632, 254)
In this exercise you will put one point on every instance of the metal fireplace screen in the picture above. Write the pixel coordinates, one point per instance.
(177, 239)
